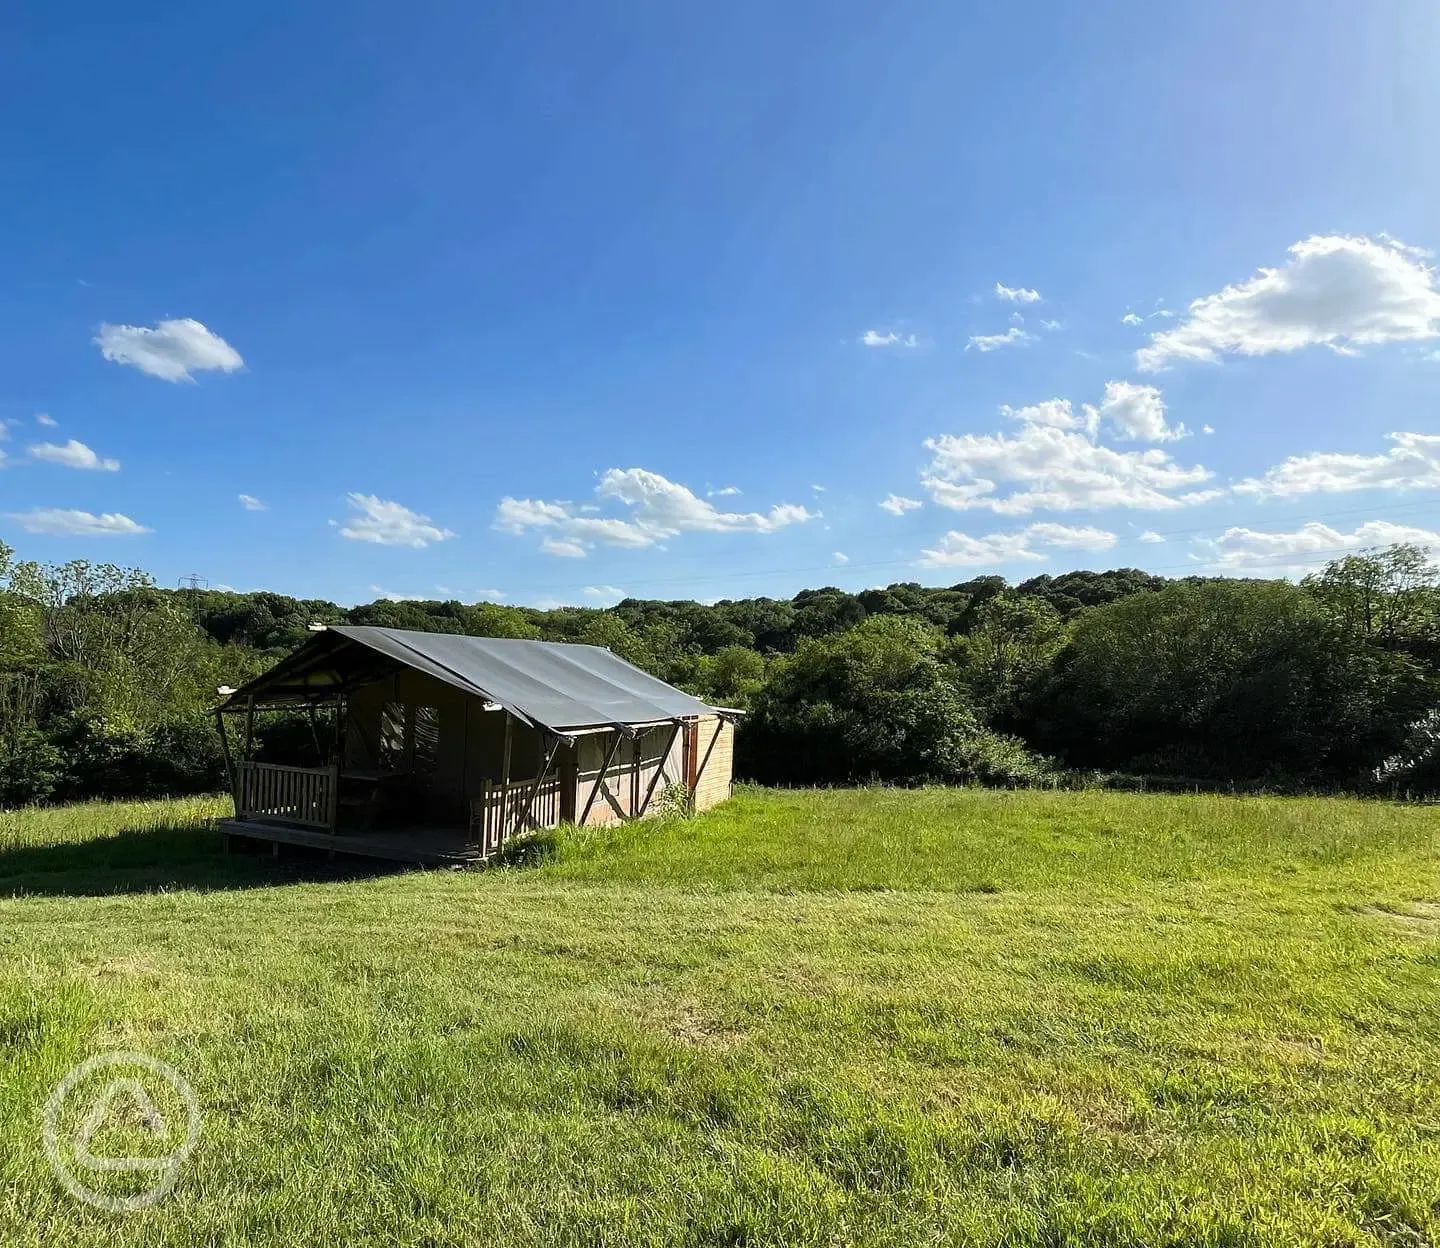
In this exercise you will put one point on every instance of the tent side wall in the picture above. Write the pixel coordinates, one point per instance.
(715, 737)
(631, 775)
(707, 743)
(469, 741)
(467, 748)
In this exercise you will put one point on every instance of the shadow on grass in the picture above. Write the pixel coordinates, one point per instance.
(162, 858)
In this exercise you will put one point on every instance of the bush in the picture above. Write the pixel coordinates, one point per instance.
(94, 758)
(996, 759)
(873, 703)
(30, 769)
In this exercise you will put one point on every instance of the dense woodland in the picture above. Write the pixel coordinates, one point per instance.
(106, 680)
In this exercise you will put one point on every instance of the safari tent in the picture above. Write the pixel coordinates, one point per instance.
(436, 748)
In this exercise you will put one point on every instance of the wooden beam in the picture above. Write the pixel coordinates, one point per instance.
(659, 771)
(524, 815)
(600, 779)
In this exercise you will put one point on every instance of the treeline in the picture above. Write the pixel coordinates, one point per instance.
(106, 679)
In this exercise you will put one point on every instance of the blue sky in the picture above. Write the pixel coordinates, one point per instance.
(497, 300)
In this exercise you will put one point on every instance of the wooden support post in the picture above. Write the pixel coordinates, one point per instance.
(600, 779)
(635, 752)
(503, 818)
(229, 762)
(341, 708)
(659, 770)
(249, 728)
(568, 779)
(315, 735)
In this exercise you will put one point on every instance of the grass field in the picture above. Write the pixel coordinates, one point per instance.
(813, 1018)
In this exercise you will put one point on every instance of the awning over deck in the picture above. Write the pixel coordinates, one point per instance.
(554, 685)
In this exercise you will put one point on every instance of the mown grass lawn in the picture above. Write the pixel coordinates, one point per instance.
(811, 1018)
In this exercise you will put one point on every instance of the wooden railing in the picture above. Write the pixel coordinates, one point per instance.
(301, 795)
(499, 811)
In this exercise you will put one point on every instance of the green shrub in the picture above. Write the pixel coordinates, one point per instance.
(30, 769)
(873, 703)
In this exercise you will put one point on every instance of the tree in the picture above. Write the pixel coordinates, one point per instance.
(820, 612)
(730, 678)
(1012, 642)
(1228, 678)
(117, 648)
(1389, 597)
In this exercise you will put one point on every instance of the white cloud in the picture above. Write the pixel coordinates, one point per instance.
(840, 558)
(1068, 537)
(610, 593)
(888, 338)
(819, 489)
(1151, 536)
(171, 351)
(1016, 294)
(1412, 463)
(41, 418)
(728, 491)
(1308, 547)
(1052, 326)
(1052, 413)
(1055, 462)
(1131, 319)
(1012, 337)
(1337, 291)
(251, 503)
(898, 504)
(391, 596)
(960, 550)
(515, 515)
(73, 455)
(1207, 428)
(490, 595)
(389, 523)
(67, 522)
(1137, 413)
(657, 508)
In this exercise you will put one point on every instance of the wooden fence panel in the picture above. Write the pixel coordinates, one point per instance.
(306, 796)
(496, 814)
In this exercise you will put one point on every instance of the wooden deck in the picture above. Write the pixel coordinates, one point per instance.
(426, 847)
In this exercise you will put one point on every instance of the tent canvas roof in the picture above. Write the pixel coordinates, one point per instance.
(553, 685)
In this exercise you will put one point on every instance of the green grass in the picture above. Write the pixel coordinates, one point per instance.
(814, 1018)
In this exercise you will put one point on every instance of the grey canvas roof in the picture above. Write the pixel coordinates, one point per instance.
(551, 684)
